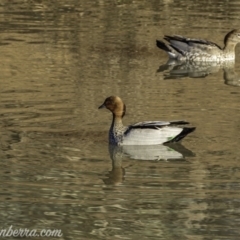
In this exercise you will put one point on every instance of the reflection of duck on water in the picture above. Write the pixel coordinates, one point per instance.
(151, 152)
(157, 152)
(231, 77)
(116, 175)
(176, 69)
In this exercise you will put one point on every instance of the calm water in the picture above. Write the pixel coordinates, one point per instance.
(58, 62)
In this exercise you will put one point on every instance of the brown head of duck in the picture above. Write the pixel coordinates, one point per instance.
(231, 40)
(115, 105)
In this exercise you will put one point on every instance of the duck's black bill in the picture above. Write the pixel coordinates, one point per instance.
(102, 106)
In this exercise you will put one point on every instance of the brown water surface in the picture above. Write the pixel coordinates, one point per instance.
(59, 61)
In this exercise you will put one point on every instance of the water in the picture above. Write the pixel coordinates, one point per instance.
(59, 61)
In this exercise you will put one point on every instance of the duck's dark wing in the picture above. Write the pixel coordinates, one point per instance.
(150, 124)
(156, 124)
(182, 43)
(184, 133)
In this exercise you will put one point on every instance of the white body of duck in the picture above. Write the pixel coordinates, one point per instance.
(187, 49)
(142, 133)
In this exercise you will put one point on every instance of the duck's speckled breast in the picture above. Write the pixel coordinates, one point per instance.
(116, 134)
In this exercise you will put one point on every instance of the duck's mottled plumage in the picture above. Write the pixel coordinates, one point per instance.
(142, 133)
(188, 49)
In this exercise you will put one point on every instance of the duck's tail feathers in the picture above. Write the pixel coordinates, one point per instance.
(179, 122)
(182, 134)
(163, 46)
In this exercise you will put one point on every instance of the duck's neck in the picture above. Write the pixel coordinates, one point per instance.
(118, 115)
(229, 49)
(116, 130)
(116, 122)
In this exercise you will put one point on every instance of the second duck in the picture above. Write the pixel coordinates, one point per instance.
(190, 49)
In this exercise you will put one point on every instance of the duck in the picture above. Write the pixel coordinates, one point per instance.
(141, 133)
(190, 49)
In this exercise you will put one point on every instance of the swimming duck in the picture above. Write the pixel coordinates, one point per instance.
(142, 133)
(187, 49)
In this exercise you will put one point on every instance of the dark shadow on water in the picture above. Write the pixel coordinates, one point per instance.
(176, 152)
(176, 70)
